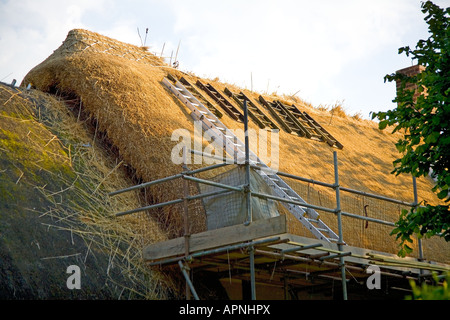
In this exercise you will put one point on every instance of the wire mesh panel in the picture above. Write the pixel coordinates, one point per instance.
(356, 231)
(231, 208)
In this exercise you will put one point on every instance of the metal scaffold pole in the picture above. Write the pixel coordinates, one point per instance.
(247, 191)
(339, 217)
(247, 167)
(188, 280)
(416, 204)
(186, 215)
(252, 272)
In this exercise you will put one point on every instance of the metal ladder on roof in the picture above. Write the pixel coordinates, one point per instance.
(233, 146)
(254, 112)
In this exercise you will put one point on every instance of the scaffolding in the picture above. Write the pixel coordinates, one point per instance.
(264, 251)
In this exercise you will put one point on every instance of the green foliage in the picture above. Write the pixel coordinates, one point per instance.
(430, 292)
(424, 119)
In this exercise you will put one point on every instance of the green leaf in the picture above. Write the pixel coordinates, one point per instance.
(441, 195)
(400, 147)
(408, 249)
(383, 124)
(432, 138)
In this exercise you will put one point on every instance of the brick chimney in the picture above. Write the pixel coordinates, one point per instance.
(410, 71)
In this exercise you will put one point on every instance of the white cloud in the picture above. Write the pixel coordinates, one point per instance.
(292, 45)
(328, 50)
(31, 30)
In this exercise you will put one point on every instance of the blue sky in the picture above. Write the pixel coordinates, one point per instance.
(327, 51)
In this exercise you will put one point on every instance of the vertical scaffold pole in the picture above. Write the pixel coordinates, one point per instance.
(247, 191)
(188, 280)
(416, 203)
(252, 272)
(339, 217)
(247, 166)
(186, 215)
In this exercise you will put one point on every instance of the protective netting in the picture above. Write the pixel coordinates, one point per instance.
(361, 233)
(231, 208)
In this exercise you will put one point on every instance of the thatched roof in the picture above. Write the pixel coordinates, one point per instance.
(120, 86)
(54, 181)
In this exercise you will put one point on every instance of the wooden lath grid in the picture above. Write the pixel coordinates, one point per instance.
(255, 113)
(226, 105)
(299, 123)
(284, 119)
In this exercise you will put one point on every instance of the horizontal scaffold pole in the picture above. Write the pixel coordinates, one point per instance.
(146, 184)
(375, 196)
(339, 255)
(307, 205)
(288, 175)
(367, 219)
(214, 166)
(153, 206)
(312, 246)
(218, 250)
(224, 159)
(176, 176)
(212, 183)
(302, 204)
(159, 205)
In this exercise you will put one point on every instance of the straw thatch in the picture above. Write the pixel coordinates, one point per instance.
(54, 179)
(120, 86)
